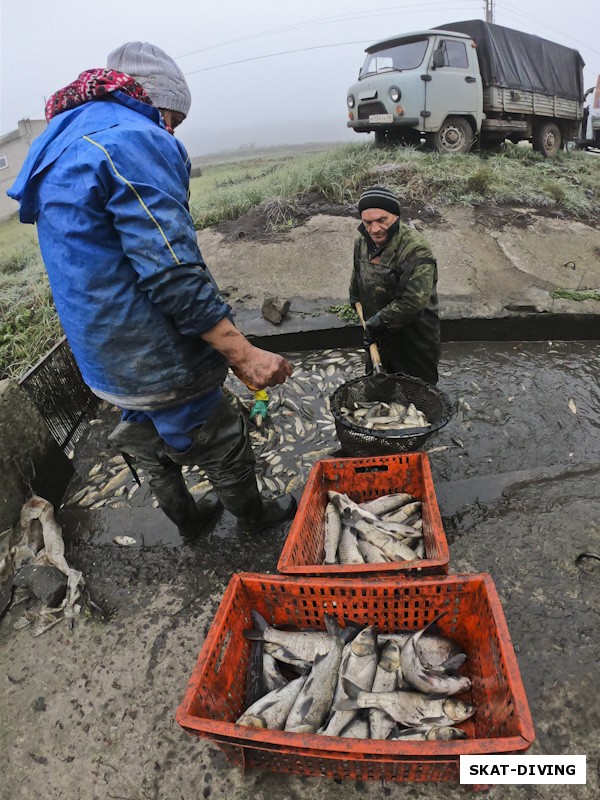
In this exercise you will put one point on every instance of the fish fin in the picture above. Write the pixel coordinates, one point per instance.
(395, 731)
(350, 688)
(259, 621)
(437, 696)
(305, 706)
(408, 731)
(254, 635)
(347, 704)
(454, 662)
(351, 631)
(433, 720)
(332, 627)
(418, 634)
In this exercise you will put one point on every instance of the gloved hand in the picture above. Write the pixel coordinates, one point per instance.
(374, 328)
(258, 412)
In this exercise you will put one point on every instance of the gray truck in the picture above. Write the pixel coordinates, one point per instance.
(469, 81)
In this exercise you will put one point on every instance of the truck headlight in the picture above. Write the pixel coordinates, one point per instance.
(395, 93)
(350, 100)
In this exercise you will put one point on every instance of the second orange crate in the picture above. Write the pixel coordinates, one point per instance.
(364, 479)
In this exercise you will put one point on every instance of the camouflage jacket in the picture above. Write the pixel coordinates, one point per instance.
(402, 286)
(401, 290)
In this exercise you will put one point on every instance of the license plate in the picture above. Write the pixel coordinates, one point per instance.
(381, 118)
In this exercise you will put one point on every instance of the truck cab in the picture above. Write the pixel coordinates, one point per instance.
(422, 83)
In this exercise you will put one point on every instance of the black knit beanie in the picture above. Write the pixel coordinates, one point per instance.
(379, 197)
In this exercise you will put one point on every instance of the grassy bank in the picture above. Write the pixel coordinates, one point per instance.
(276, 180)
(569, 183)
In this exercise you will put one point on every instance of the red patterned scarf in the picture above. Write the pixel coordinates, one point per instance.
(90, 84)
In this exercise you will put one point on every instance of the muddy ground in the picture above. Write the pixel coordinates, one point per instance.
(88, 712)
(492, 260)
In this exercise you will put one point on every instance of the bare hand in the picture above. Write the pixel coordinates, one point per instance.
(262, 368)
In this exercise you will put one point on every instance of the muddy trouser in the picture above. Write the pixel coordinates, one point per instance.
(221, 447)
(412, 356)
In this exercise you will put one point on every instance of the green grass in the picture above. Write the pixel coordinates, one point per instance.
(576, 294)
(569, 183)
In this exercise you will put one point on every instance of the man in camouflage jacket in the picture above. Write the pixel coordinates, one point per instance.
(394, 278)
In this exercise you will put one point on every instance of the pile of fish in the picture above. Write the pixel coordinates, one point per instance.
(356, 682)
(379, 416)
(389, 528)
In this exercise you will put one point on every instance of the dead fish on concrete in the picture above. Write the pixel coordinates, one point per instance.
(381, 416)
(124, 541)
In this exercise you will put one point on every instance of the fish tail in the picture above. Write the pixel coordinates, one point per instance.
(348, 704)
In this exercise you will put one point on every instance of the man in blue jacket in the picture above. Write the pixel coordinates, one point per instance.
(107, 185)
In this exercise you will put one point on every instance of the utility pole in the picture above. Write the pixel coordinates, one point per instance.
(489, 10)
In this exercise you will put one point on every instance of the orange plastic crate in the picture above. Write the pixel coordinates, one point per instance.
(364, 479)
(215, 694)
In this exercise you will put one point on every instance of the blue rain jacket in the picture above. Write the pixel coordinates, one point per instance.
(107, 185)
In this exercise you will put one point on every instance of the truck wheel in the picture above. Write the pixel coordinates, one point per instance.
(455, 136)
(547, 139)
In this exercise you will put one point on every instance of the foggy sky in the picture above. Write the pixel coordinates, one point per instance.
(285, 99)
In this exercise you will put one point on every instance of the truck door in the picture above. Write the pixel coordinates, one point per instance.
(593, 122)
(453, 89)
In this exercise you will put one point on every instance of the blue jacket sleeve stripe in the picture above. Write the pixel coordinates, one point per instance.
(133, 189)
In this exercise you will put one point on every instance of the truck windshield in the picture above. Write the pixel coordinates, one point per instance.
(407, 55)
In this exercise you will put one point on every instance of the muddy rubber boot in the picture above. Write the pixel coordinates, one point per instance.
(272, 512)
(222, 448)
(164, 478)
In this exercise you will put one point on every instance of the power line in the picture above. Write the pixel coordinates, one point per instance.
(377, 12)
(272, 55)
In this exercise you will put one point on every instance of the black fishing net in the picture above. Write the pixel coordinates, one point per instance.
(358, 441)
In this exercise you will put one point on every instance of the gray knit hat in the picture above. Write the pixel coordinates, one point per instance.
(379, 197)
(153, 69)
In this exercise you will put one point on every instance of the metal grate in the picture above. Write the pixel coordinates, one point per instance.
(57, 389)
(366, 109)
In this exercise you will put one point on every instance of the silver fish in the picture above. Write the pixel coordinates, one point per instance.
(281, 653)
(359, 666)
(427, 680)
(433, 649)
(392, 548)
(303, 645)
(387, 503)
(333, 532)
(370, 553)
(314, 699)
(411, 709)
(348, 552)
(385, 681)
(272, 710)
(357, 728)
(443, 733)
(402, 514)
(272, 677)
(344, 504)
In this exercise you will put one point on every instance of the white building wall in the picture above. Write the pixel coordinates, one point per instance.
(14, 147)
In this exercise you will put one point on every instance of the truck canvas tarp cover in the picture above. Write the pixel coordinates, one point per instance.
(514, 60)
